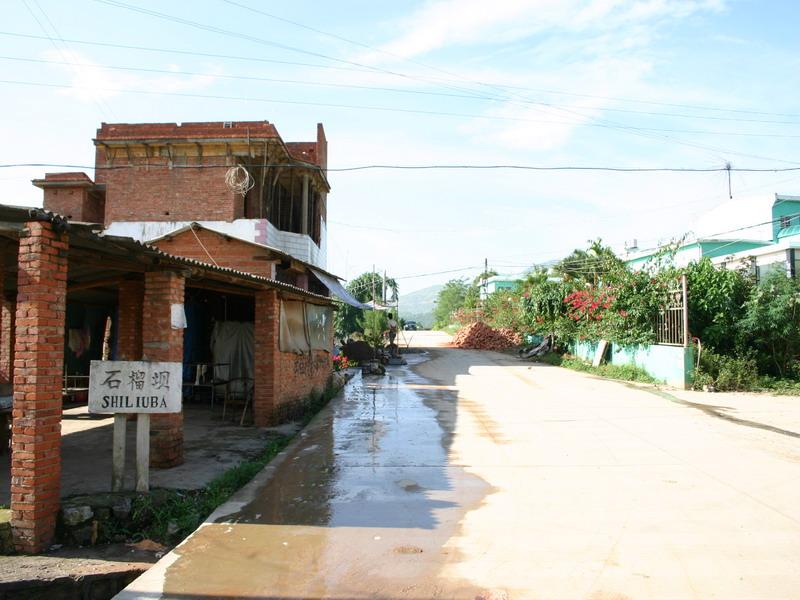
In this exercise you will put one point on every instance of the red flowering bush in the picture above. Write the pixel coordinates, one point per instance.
(341, 362)
(588, 305)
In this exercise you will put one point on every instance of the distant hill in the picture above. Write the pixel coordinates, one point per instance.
(418, 306)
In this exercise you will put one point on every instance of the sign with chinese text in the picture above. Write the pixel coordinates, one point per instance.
(122, 386)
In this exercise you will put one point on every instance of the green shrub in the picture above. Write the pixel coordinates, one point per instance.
(716, 304)
(726, 373)
(778, 386)
(771, 324)
(622, 372)
(552, 358)
(374, 323)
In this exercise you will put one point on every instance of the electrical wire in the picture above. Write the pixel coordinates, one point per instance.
(484, 83)
(182, 52)
(178, 51)
(173, 72)
(434, 167)
(219, 30)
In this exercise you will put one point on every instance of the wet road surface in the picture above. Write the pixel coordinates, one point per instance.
(472, 475)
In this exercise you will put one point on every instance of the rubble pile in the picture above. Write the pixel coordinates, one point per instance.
(479, 336)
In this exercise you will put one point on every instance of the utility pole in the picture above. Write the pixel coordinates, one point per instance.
(384, 287)
(373, 285)
(485, 280)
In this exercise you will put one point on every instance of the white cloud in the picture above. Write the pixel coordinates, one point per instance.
(544, 44)
(451, 22)
(89, 81)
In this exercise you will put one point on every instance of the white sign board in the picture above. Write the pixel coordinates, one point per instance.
(123, 386)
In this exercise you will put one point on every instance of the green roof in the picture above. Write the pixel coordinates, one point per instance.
(789, 231)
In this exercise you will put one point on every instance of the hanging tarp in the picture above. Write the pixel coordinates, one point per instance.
(232, 345)
(338, 290)
(293, 336)
(319, 321)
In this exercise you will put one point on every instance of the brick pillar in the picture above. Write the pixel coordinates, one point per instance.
(38, 366)
(266, 328)
(7, 310)
(160, 342)
(129, 320)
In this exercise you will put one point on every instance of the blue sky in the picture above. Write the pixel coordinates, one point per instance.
(647, 83)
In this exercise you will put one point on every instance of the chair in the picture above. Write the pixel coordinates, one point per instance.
(207, 375)
(238, 392)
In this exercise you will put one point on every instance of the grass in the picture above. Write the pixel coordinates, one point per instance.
(620, 372)
(171, 515)
(778, 387)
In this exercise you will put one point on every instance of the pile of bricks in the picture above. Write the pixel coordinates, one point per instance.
(479, 336)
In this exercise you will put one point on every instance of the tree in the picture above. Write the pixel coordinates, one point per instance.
(771, 323)
(361, 288)
(374, 323)
(716, 303)
(592, 265)
(472, 298)
(451, 298)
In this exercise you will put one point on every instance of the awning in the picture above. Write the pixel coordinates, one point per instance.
(338, 290)
(378, 306)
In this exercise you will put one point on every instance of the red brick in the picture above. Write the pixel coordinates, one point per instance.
(160, 342)
(36, 436)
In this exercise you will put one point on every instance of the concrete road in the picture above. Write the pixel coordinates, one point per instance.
(473, 475)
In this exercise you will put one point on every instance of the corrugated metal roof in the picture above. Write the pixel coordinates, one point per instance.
(233, 236)
(19, 214)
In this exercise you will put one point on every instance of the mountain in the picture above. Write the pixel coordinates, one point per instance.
(418, 306)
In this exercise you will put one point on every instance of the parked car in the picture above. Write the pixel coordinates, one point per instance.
(411, 326)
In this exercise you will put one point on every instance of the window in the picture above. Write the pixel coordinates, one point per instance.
(785, 222)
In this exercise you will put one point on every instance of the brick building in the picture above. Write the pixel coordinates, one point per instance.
(108, 260)
(55, 271)
(154, 178)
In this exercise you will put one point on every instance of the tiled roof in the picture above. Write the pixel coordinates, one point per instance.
(305, 151)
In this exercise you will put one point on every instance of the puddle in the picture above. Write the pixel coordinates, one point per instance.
(371, 479)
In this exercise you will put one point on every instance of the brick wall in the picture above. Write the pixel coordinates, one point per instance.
(38, 366)
(282, 379)
(129, 316)
(227, 252)
(160, 342)
(77, 204)
(7, 310)
(158, 193)
(68, 202)
(300, 375)
(265, 329)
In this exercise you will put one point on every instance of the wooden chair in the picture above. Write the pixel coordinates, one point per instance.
(238, 392)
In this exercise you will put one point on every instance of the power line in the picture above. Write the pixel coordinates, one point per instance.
(256, 59)
(104, 108)
(433, 167)
(219, 30)
(250, 78)
(196, 53)
(629, 129)
(570, 168)
(492, 84)
(250, 38)
(172, 72)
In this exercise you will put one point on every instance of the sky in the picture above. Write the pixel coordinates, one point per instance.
(695, 84)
